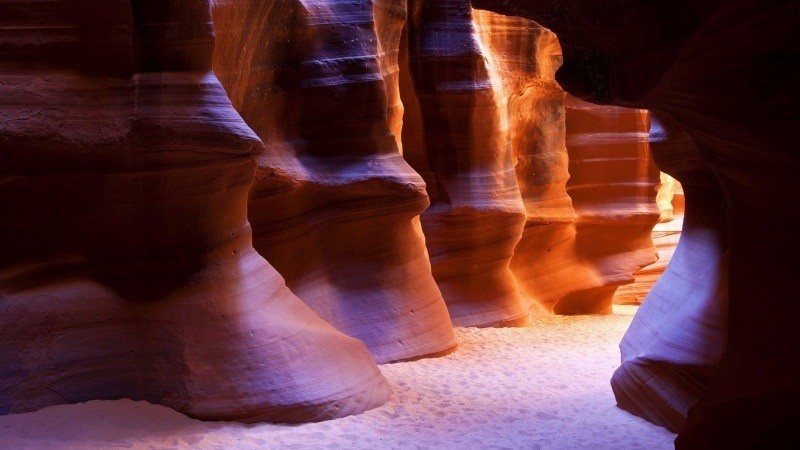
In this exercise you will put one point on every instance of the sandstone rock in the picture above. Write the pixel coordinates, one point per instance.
(524, 57)
(665, 237)
(613, 185)
(334, 207)
(453, 135)
(503, 89)
(726, 72)
(126, 265)
(676, 340)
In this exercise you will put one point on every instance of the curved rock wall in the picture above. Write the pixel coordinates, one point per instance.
(725, 71)
(676, 340)
(665, 237)
(455, 137)
(613, 185)
(524, 58)
(334, 208)
(475, 110)
(126, 267)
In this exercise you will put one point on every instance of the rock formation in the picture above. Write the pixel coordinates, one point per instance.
(676, 339)
(524, 58)
(334, 207)
(613, 185)
(453, 135)
(126, 265)
(726, 73)
(480, 114)
(665, 237)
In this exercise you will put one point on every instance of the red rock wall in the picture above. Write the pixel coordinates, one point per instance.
(334, 208)
(726, 73)
(584, 172)
(665, 237)
(126, 267)
(613, 184)
(455, 137)
(524, 58)
(132, 176)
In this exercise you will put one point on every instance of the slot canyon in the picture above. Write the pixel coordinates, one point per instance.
(399, 224)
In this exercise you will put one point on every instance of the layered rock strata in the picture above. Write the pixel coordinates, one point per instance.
(613, 185)
(126, 265)
(725, 71)
(334, 208)
(455, 137)
(676, 340)
(524, 57)
(665, 237)
(482, 105)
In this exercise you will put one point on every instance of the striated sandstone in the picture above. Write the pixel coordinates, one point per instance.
(454, 136)
(726, 73)
(126, 264)
(613, 185)
(676, 339)
(665, 237)
(335, 208)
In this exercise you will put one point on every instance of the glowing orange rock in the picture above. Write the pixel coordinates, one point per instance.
(335, 207)
(613, 184)
(126, 265)
(454, 137)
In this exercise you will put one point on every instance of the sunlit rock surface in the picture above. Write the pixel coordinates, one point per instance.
(524, 57)
(126, 265)
(335, 207)
(726, 72)
(613, 185)
(665, 236)
(486, 107)
(455, 137)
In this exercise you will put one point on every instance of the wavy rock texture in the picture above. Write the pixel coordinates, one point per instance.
(524, 58)
(725, 71)
(501, 91)
(677, 337)
(334, 207)
(665, 237)
(613, 185)
(126, 265)
(455, 137)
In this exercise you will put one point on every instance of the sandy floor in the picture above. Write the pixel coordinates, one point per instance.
(545, 386)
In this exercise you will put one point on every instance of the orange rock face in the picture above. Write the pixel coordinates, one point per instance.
(478, 112)
(126, 267)
(132, 174)
(335, 207)
(613, 184)
(725, 71)
(665, 236)
(455, 137)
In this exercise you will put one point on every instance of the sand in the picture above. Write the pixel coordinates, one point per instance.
(544, 386)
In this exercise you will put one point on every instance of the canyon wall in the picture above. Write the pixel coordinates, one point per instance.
(665, 236)
(127, 269)
(212, 205)
(485, 126)
(613, 185)
(675, 342)
(335, 207)
(725, 72)
(455, 137)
